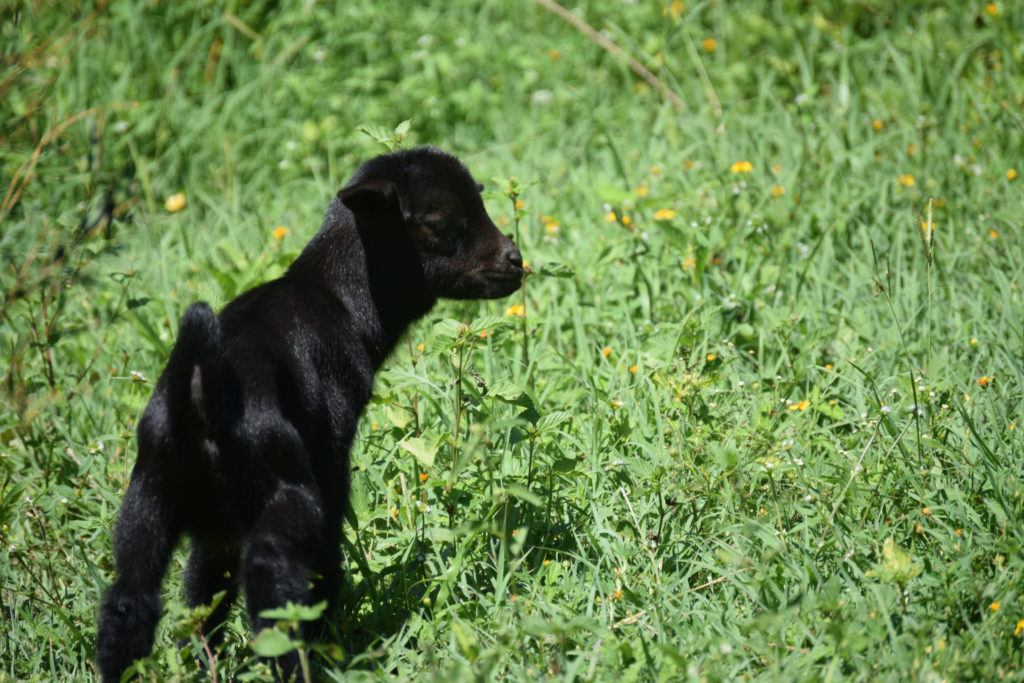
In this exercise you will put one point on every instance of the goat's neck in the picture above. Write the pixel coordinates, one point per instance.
(380, 284)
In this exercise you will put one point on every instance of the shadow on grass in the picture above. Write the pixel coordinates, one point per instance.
(375, 609)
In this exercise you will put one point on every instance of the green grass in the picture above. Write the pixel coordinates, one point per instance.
(750, 440)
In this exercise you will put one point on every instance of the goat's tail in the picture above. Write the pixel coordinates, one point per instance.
(195, 370)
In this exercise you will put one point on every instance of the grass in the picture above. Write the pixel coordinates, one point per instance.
(749, 426)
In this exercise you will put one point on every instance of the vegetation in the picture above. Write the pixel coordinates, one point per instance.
(754, 414)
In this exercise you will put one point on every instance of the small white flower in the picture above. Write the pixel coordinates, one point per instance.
(542, 97)
(885, 409)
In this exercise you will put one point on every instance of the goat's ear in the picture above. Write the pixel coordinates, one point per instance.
(371, 196)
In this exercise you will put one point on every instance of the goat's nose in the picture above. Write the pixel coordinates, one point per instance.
(513, 255)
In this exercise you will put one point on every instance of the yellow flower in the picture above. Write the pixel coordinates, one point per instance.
(675, 9)
(551, 226)
(656, 170)
(279, 232)
(606, 351)
(926, 511)
(547, 562)
(973, 341)
(642, 191)
(1012, 426)
(992, 9)
(632, 369)
(424, 476)
(515, 311)
(617, 595)
(993, 233)
(709, 44)
(664, 215)
(742, 167)
(393, 512)
(611, 217)
(906, 180)
(711, 358)
(800, 405)
(994, 606)
(421, 347)
(483, 334)
(627, 221)
(519, 204)
(985, 380)
(877, 124)
(554, 54)
(778, 191)
(175, 203)
(1011, 174)
(688, 263)
(1019, 628)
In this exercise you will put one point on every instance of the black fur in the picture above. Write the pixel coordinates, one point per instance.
(244, 445)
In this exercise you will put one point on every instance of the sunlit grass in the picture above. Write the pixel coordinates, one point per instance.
(752, 415)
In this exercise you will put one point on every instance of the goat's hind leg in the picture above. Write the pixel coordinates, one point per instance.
(144, 538)
(212, 568)
(280, 556)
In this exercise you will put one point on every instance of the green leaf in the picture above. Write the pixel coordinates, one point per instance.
(466, 641)
(555, 269)
(489, 323)
(272, 643)
(423, 450)
(896, 565)
(522, 493)
(295, 612)
(505, 389)
(397, 416)
(564, 465)
(450, 329)
(552, 420)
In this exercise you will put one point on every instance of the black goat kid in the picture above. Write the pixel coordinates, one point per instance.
(244, 445)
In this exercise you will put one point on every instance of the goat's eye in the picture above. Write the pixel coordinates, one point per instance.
(449, 228)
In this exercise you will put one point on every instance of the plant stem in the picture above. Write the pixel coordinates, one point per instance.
(522, 295)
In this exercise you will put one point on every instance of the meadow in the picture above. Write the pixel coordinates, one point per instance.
(756, 413)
